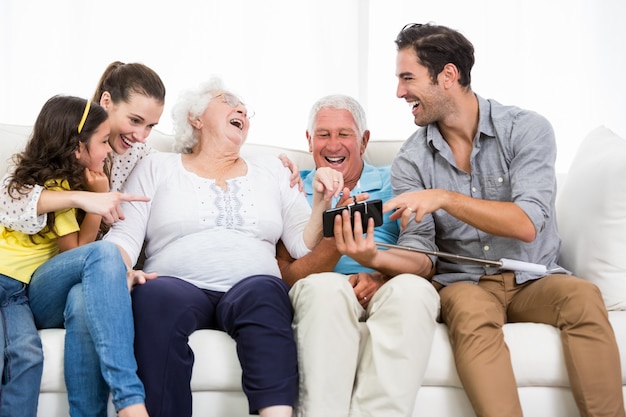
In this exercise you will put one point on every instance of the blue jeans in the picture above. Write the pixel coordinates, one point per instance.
(21, 346)
(85, 291)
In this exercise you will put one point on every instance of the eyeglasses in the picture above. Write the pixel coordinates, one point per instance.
(234, 101)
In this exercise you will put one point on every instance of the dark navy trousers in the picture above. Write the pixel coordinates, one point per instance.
(256, 313)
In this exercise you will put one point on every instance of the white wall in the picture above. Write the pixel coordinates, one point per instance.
(565, 59)
(562, 58)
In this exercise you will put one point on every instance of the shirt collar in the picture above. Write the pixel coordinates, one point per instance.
(435, 140)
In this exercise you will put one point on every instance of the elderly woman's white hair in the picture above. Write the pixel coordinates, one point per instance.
(191, 104)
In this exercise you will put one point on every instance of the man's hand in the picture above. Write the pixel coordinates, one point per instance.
(500, 218)
(365, 286)
(137, 277)
(346, 198)
(416, 203)
(353, 243)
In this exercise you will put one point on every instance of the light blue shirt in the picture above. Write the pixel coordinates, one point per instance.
(512, 160)
(376, 182)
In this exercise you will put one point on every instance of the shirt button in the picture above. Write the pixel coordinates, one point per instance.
(486, 248)
(473, 189)
(500, 179)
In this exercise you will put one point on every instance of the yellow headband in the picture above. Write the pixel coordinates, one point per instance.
(85, 113)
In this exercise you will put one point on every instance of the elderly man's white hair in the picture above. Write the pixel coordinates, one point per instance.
(339, 101)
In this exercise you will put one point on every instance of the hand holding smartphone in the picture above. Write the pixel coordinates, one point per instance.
(372, 208)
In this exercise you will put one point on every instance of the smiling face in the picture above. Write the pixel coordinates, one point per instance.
(132, 120)
(93, 153)
(224, 117)
(335, 143)
(427, 100)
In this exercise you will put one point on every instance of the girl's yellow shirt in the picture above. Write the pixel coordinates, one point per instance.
(20, 256)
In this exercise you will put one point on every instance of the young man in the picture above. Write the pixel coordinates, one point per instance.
(478, 180)
(344, 369)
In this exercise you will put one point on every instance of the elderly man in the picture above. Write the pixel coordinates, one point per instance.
(363, 337)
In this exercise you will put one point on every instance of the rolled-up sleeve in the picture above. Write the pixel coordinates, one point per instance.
(532, 169)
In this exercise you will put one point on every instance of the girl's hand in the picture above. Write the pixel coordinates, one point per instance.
(96, 182)
(107, 205)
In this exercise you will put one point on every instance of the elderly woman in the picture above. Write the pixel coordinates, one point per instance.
(211, 229)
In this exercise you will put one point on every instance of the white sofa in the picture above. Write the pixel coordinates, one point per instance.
(535, 348)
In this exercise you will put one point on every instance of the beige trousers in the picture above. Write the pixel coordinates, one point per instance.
(475, 315)
(347, 369)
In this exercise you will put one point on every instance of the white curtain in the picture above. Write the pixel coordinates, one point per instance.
(562, 58)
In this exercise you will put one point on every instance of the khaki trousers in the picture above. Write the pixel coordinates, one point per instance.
(346, 370)
(475, 315)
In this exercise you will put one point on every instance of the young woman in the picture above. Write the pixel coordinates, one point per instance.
(66, 151)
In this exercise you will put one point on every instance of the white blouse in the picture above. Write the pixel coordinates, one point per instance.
(213, 238)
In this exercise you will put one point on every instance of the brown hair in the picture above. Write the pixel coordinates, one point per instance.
(436, 46)
(121, 80)
(49, 153)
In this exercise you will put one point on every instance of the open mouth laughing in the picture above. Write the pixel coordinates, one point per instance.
(335, 160)
(126, 141)
(238, 123)
(413, 104)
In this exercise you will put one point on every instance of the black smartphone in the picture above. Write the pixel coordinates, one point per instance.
(370, 208)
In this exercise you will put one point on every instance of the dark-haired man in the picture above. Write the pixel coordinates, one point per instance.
(478, 179)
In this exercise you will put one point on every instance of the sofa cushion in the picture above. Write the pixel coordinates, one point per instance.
(536, 355)
(591, 213)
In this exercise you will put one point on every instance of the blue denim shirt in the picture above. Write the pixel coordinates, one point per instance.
(376, 182)
(512, 159)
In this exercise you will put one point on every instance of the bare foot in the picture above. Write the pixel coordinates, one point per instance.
(135, 410)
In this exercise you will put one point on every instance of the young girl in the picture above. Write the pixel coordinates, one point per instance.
(66, 152)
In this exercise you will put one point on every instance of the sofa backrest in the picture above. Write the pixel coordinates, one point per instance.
(378, 152)
(591, 214)
(12, 140)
